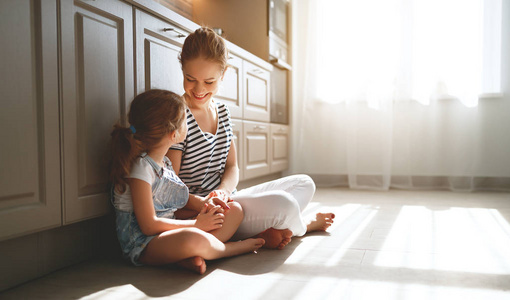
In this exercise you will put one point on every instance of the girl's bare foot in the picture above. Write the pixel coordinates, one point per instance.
(244, 246)
(321, 222)
(276, 239)
(195, 264)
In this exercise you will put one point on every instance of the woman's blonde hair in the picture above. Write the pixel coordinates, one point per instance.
(152, 115)
(204, 42)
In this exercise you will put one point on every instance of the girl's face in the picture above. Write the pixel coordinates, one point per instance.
(201, 80)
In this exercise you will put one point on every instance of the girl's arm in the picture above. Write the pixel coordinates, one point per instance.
(151, 224)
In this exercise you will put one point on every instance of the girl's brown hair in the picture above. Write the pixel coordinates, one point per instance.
(152, 115)
(204, 42)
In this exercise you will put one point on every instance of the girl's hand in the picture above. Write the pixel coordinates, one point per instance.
(209, 220)
(219, 197)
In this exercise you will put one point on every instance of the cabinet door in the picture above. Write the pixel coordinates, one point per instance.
(158, 45)
(279, 148)
(29, 118)
(256, 93)
(97, 84)
(237, 128)
(256, 149)
(231, 92)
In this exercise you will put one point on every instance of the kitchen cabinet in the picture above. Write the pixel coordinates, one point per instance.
(256, 93)
(72, 69)
(97, 86)
(279, 147)
(29, 119)
(257, 156)
(231, 90)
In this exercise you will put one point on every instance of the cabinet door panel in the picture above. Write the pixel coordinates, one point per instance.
(279, 147)
(256, 149)
(231, 90)
(97, 86)
(158, 50)
(29, 118)
(256, 91)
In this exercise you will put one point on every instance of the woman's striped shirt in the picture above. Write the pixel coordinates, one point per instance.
(204, 154)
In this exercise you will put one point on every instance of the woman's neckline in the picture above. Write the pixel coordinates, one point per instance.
(217, 120)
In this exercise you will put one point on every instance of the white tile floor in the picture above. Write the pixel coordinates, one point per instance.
(383, 245)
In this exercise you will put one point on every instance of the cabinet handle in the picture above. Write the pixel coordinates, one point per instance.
(281, 130)
(259, 127)
(179, 35)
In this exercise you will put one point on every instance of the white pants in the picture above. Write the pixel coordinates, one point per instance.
(277, 204)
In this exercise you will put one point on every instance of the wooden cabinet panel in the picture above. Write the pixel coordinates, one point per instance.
(279, 147)
(158, 45)
(256, 93)
(231, 90)
(256, 149)
(237, 127)
(29, 118)
(97, 69)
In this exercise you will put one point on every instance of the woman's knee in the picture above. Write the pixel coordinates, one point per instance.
(283, 201)
(307, 182)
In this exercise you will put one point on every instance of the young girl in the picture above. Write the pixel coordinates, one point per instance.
(147, 192)
(206, 160)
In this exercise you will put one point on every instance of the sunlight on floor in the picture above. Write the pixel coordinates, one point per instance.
(330, 288)
(355, 214)
(457, 239)
(129, 290)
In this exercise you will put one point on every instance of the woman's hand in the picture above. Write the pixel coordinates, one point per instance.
(211, 219)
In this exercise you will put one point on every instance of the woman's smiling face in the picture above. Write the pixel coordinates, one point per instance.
(201, 80)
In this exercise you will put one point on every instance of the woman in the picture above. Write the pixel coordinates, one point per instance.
(206, 160)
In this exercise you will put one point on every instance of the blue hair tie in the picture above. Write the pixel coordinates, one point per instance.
(133, 129)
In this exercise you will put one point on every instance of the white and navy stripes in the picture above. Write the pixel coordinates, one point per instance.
(204, 154)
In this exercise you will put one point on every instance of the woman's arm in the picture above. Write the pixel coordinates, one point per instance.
(175, 157)
(230, 178)
(195, 203)
(151, 224)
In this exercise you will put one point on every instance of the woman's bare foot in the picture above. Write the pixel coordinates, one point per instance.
(244, 246)
(321, 222)
(195, 264)
(276, 239)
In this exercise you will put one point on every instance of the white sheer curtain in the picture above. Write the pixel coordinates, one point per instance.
(386, 93)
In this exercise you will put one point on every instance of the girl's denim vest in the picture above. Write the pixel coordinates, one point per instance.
(169, 193)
